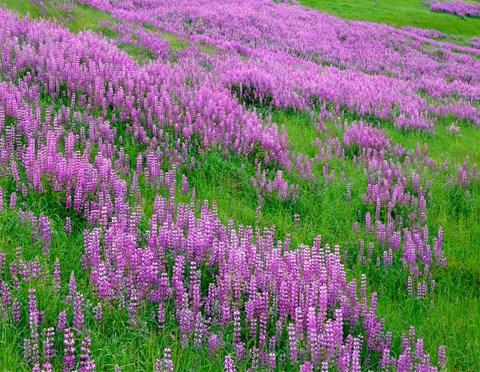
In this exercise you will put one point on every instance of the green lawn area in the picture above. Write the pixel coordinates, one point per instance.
(399, 13)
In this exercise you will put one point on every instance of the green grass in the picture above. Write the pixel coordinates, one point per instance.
(459, 147)
(22, 7)
(399, 13)
(84, 17)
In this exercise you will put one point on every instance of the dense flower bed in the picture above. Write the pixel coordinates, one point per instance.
(459, 8)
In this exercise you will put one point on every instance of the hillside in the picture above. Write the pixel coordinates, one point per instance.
(223, 185)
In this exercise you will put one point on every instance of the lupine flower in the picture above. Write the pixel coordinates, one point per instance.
(165, 364)
(87, 364)
(98, 312)
(229, 366)
(68, 225)
(32, 352)
(56, 276)
(212, 343)
(441, 357)
(62, 321)
(78, 315)
(49, 351)
(16, 315)
(13, 200)
(69, 350)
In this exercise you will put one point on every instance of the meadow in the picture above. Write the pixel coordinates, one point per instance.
(222, 185)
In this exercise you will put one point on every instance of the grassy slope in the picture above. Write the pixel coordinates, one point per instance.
(399, 13)
(85, 18)
(323, 210)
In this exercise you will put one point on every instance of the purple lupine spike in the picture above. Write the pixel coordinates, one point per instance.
(293, 342)
(62, 321)
(78, 315)
(272, 361)
(199, 332)
(69, 350)
(13, 200)
(213, 344)
(56, 276)
(132, 311)
(72, 285)
(49, 351)
(442, 360)
(166, 364)
(306, 367)
(229, 366)
(184, 185)
(16, 315)
(68, 225)
(87, 364)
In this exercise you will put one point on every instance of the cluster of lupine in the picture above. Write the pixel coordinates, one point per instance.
(62, 8)
(303, 294)
(427, 33)
(278, 186)
(398, 189)
(107, 106)
(459, 8)
(39, 349)
(103, 5)
(259, 286)
(129, 35)
(41, 229)
(366, 136)
(399, 193)
(475, 42)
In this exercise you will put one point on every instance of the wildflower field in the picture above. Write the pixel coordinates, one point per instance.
(224, 185)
